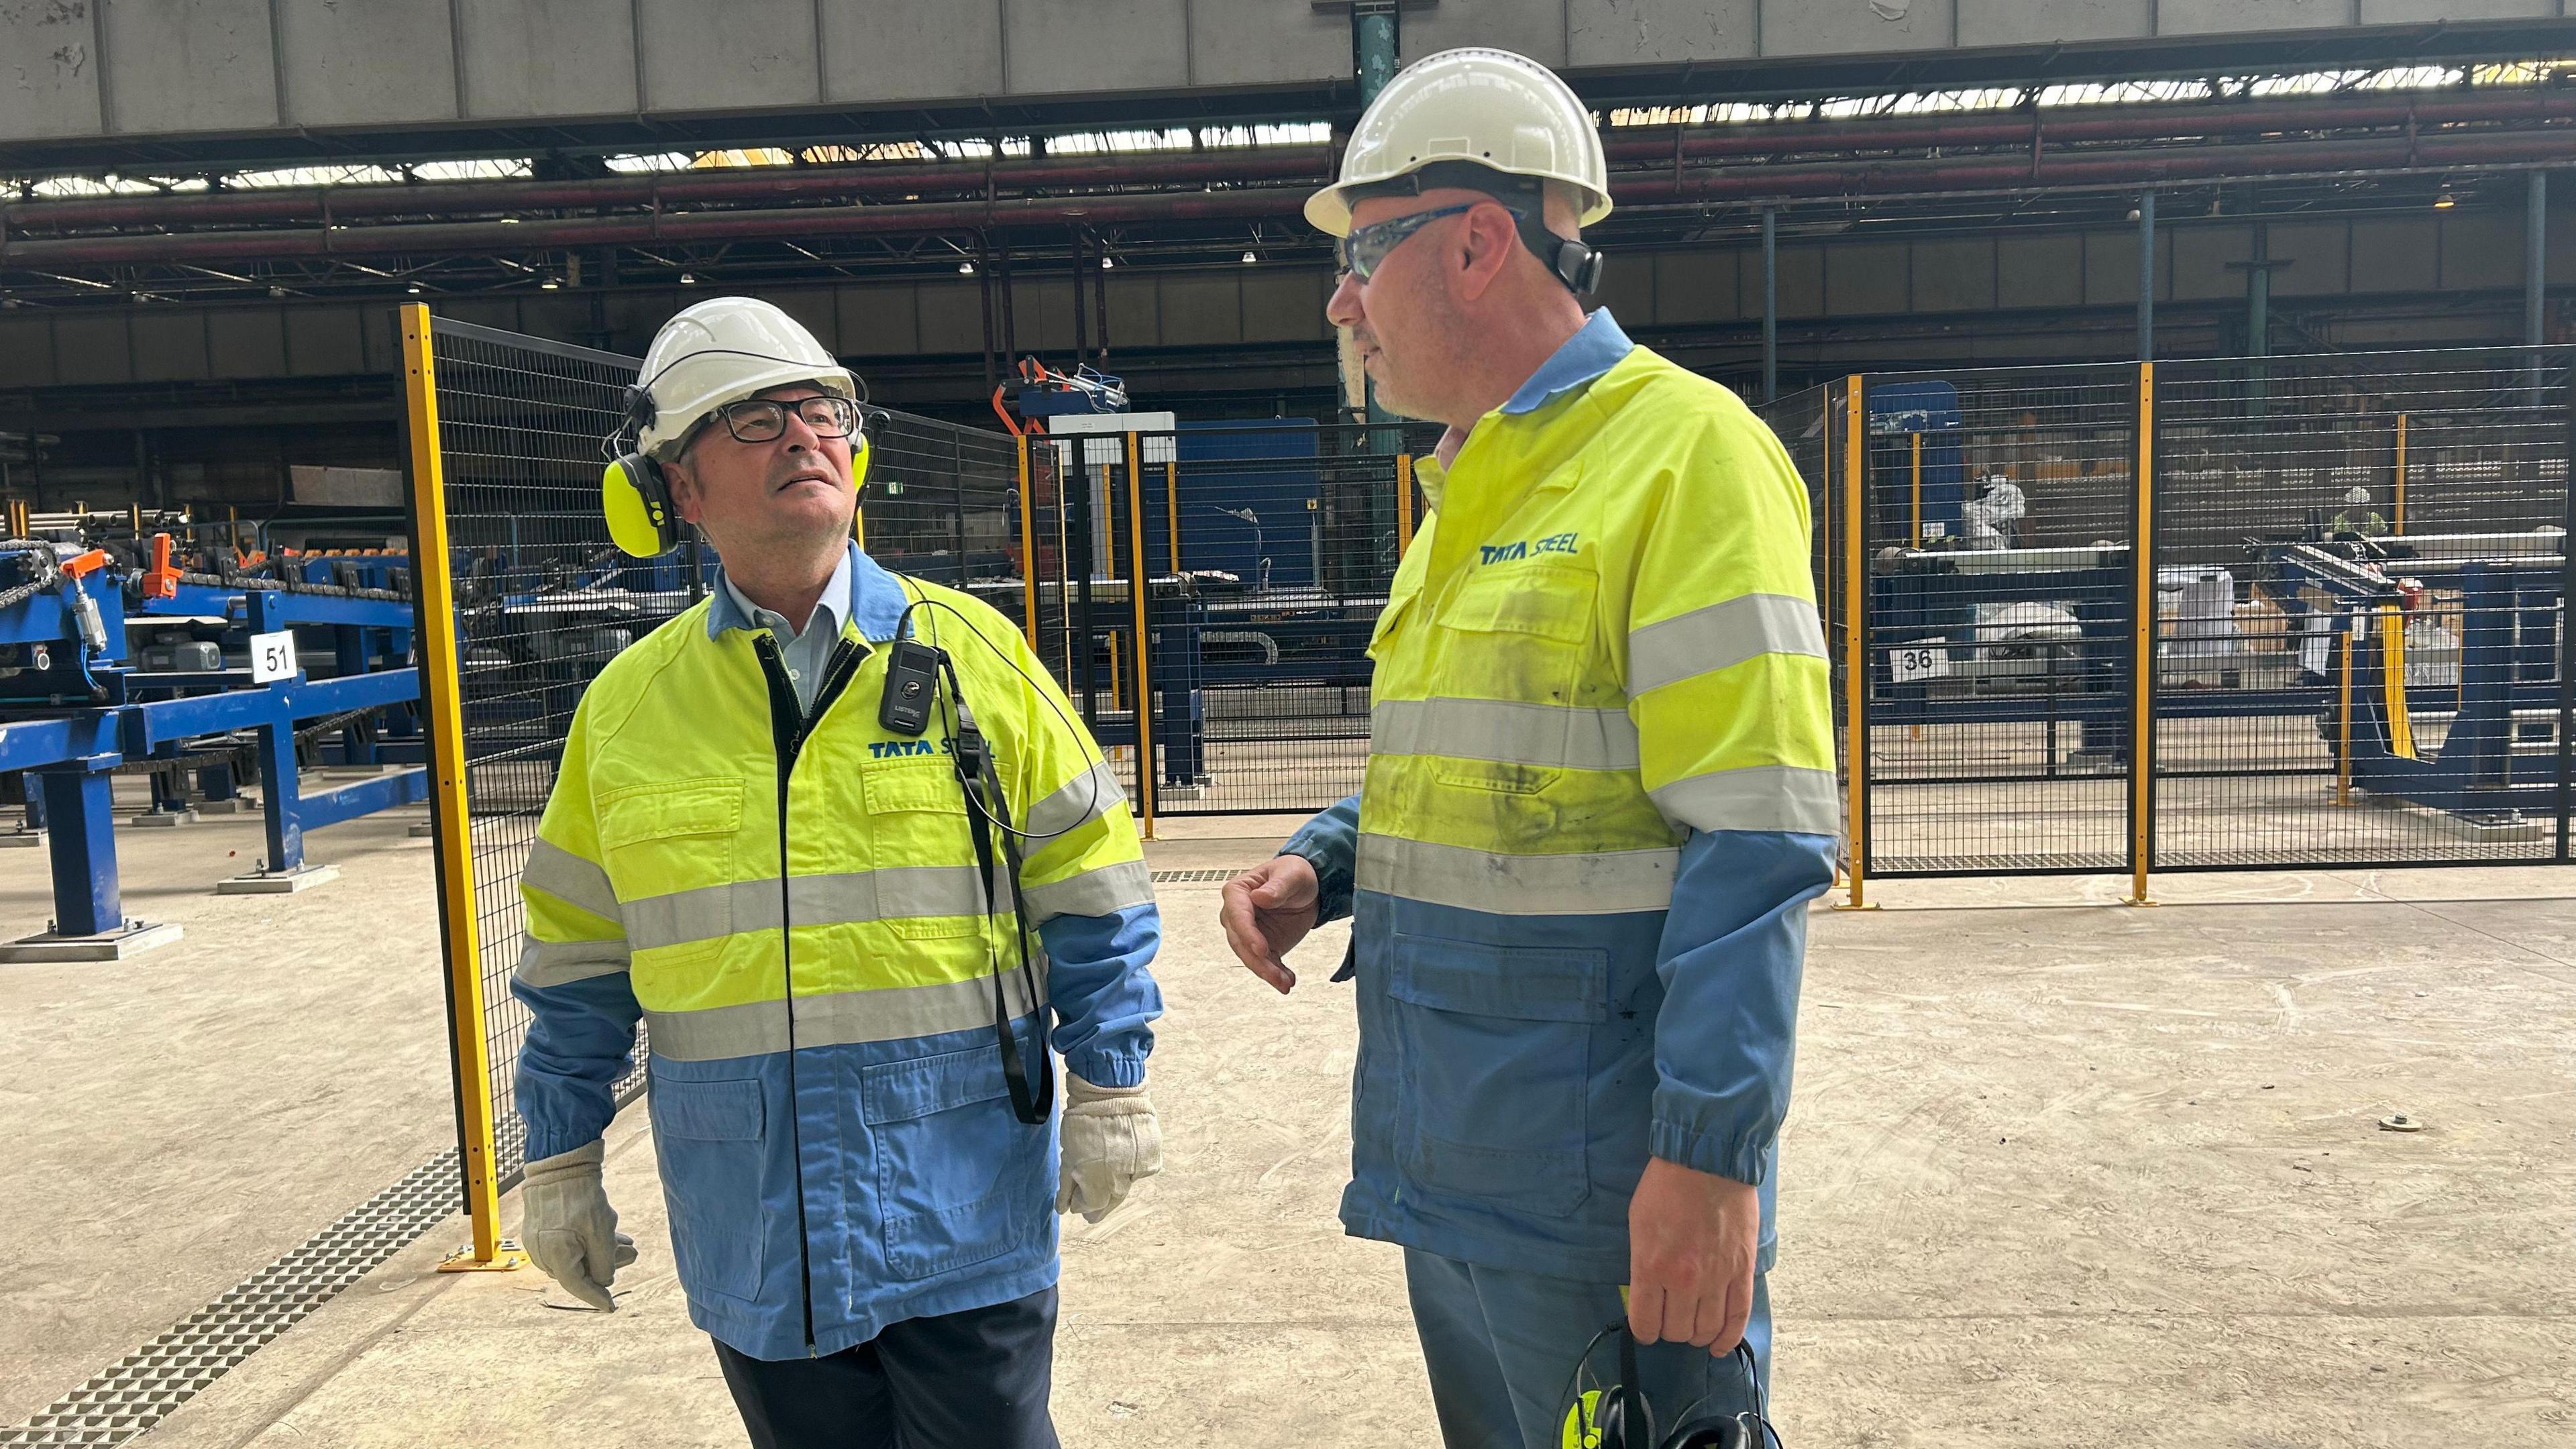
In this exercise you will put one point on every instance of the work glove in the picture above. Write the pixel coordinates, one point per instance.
(568, 1227)
(1109, 1142)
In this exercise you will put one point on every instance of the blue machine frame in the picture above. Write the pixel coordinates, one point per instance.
(72, 722)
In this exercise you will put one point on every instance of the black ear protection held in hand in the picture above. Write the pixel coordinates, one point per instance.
(1617, 1416)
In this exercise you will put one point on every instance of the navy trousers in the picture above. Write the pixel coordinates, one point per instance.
(971, 1380)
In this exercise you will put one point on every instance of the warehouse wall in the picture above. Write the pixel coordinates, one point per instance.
(96, 68)
(1951, 277)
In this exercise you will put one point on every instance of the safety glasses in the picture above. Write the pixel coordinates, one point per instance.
(1367, 246)
(764, 420)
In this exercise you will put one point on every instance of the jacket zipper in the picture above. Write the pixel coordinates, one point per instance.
(789, 725)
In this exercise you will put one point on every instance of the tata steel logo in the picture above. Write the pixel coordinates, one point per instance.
(889, 749)
(1494, 553)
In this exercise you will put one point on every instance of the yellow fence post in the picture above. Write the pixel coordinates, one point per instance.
(469, 1054)
(1172, 503)
(2400, 508)
(1855, 662)
(2392, 682)
(2142, 826)
(1918, 489)
(1140, 582)
(1028, 549)
(1403, 503)
(2343, 765)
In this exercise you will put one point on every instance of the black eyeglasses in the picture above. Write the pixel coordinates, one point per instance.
(1366, 247)
(764, 420)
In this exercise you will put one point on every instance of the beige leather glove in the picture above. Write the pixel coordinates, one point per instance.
(569, 1228)
(1109, 1141)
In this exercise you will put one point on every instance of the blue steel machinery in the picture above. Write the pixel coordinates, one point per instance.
(153, 657)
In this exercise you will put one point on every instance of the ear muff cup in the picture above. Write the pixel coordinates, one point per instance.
(635, 497)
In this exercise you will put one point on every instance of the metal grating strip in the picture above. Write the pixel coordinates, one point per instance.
(154, 1380)
(1193, 877)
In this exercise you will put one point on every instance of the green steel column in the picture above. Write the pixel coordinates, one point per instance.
(2535, 269)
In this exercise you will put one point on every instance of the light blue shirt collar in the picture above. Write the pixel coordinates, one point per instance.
(1586, 355)
(859, 589)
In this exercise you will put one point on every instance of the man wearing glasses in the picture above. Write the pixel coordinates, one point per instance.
(1600, 788)
(862, 1179)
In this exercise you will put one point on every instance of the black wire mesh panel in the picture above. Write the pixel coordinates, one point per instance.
(545, 599)
(1997, 577)
(1275, 543)
(2360, 561)
(1805, 424)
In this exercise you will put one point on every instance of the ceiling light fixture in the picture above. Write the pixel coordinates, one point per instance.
(965, 269)
(2444, 202)
(688, 279)
(414, 289)
(548, 285)
(1106, 264)
(1249, 259)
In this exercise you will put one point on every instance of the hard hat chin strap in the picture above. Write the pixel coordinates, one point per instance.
(1575, 263)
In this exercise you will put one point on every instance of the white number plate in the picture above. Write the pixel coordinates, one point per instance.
(272, 656)
(1915, 663)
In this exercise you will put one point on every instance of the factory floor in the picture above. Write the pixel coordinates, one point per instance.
(2058, 1173)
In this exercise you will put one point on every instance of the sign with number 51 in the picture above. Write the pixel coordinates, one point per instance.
(272, 656)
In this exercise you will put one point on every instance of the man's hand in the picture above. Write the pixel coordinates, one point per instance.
(1692, 1239)
(1268, 910)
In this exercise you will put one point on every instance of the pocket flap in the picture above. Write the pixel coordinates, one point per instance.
(901, 1091)
(1519, 983)
(662, 812)
(1547, 600)
(725, 1111)
(913, 787)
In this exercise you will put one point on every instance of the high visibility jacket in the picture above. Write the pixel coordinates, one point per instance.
(1600, 789)
(709, 855)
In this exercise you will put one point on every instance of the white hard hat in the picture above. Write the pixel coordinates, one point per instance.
(1484, 107)
(2358, 494)
(723, 350)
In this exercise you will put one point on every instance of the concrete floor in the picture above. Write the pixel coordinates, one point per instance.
(2059, 1173)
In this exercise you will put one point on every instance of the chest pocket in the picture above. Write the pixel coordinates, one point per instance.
(670, 852)
(1519, 632)
(917, 817)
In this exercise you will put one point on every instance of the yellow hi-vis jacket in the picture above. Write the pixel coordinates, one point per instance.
(711, 853)
(1600, 790)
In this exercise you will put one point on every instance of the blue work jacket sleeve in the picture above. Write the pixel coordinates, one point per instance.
(1732, 954)
(1105, 999)
(1330, 842)
(581, 1040)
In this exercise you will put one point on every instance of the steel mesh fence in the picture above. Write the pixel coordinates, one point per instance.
(1274, 544)
(2350, 641)
(544, 599)
(2359, 562)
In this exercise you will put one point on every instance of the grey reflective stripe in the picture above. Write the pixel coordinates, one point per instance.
(820, 900)
(1605, 883)
(1759, 797)
(1720, 636)
(877, 895)
(1093, 893)
(897, 1013)
(569, 878)
(1507, 731)
(1089, 796)
(553, 963)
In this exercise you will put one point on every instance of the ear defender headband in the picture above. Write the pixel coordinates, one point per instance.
(1574, 263)
(635, 493)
